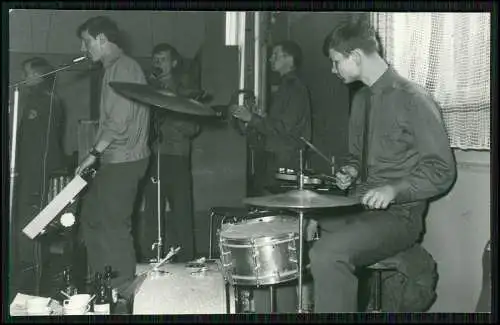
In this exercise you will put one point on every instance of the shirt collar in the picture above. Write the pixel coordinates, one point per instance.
(290, 74)
(114, 55)
(386, 80)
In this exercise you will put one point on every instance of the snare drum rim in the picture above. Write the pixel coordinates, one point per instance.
(265, 279)
(258, 239)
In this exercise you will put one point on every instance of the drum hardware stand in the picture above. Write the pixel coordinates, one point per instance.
(301, 230)
(159, 243)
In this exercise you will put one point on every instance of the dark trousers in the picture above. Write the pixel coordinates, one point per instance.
(176, 186)
(356, 240)
(106, 219)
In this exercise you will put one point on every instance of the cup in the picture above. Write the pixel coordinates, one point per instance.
(78, 300)
(37, 306)
(76, 305)
(69, 309)
(44, 311)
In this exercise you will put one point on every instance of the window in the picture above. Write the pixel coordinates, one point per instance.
(235, 28)
(449, 54)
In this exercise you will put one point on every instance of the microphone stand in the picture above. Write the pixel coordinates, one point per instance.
(64, 67)
(15, 115)
(13, 173)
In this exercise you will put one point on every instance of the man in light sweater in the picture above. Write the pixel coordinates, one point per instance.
(121, 145)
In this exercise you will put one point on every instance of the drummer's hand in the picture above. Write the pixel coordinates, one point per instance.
(379, 198)
(86, 163)
(241, 113)
(346, 176)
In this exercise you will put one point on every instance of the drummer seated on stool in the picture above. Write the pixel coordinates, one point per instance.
(408, 162)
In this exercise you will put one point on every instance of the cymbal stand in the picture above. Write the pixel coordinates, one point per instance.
(159, 243)
(301, 229)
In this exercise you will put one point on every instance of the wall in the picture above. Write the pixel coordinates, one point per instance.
(219, 153)
(458, 227)
(54, 31)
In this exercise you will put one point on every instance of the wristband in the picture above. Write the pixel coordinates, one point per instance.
(95, 153)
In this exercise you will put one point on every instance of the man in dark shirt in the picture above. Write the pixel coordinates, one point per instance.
(288, 117)
(40, 151)
(404, 160)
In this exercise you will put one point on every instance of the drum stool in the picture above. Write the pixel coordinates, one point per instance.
(244, 304)
(389, 264)
(219, 215)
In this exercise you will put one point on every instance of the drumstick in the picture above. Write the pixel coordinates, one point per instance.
(310, 145)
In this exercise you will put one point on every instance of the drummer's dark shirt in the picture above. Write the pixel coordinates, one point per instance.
(408, 147)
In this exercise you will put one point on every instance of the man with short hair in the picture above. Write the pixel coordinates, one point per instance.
(121, 144)
(399, 158)
(172, 139)
(40, 157)
(288, 117)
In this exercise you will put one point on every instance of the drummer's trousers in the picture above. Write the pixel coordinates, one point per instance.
(106, 219)
(358, 239)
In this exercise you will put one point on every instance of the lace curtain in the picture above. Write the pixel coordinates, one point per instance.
(449, 54)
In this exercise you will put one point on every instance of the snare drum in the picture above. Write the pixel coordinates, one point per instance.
(260, 251)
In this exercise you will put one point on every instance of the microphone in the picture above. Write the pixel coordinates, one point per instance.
(60, 68)
(79, 59)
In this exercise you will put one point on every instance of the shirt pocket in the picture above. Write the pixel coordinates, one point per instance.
(395, 141)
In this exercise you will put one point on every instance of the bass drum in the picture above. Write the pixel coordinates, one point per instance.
(182, 291)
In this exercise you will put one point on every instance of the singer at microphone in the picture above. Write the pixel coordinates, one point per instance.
(39, 149)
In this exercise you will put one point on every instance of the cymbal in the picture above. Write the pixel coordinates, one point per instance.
(161, 98)
(301, 199)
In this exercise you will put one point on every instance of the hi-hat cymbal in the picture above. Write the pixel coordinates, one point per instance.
(162, 99)
(301, 199)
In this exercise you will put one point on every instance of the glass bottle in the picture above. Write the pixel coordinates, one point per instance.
(69, 286)
(108, 274)
(102, 301)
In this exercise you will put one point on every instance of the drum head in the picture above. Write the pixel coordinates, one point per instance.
(270, 226)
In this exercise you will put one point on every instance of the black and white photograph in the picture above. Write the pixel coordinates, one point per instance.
(183, 162)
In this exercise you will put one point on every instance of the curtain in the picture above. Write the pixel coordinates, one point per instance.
(449, 54)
